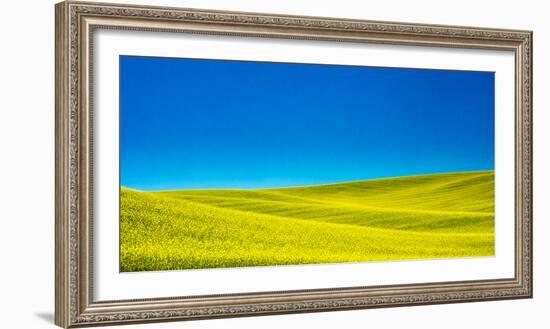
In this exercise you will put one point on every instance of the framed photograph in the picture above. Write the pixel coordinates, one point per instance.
(218, 164)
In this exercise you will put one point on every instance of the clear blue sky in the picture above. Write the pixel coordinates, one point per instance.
(192, 123)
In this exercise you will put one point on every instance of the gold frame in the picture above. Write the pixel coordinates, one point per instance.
(75, 23)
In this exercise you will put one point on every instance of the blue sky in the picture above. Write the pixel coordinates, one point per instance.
(204, 124)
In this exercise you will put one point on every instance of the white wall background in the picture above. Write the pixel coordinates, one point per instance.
(27, 162)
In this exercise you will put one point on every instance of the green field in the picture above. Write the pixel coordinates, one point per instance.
(414, 217)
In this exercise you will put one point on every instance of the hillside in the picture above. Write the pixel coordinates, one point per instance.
(428, 216)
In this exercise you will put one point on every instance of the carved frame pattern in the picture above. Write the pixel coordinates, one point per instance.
(76, 21)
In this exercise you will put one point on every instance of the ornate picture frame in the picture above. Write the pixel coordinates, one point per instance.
(76, 23)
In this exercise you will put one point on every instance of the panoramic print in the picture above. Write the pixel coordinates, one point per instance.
(242, 163)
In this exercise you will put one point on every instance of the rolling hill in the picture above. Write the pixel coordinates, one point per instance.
(414, 217)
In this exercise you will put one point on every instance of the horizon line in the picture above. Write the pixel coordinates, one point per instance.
(311, 185)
